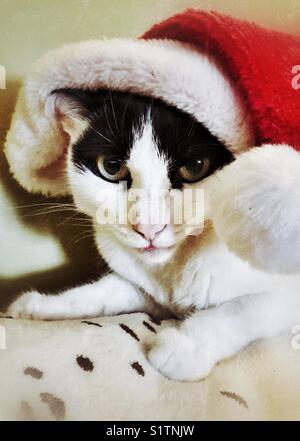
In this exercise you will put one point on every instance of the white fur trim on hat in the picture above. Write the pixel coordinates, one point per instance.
(177, 73)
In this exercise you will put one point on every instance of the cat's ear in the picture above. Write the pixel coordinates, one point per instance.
(71, 108)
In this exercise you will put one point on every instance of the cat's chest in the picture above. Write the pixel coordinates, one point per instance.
(180, 285)
(200, 275)
(180, 288)
(185, 287)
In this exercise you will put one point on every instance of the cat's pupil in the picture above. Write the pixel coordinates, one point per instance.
(194, 168)
(112, 166)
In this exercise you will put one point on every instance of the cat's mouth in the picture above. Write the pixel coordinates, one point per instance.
(153, 248)
(150, 248)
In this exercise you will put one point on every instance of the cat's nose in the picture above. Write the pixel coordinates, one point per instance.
(149, 231)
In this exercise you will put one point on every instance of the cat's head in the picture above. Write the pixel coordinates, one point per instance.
(137, 167)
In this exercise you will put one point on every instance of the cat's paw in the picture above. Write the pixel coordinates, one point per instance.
(176, 356)
(26, 307)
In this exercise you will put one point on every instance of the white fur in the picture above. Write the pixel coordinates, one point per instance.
(192, 274)
(148, 168)
(255, 204)
(177, 73)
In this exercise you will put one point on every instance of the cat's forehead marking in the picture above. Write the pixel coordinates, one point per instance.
(153, 138)
(147, 164)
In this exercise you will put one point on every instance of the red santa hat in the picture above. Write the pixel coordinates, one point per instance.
(236, 78)
(262, 65)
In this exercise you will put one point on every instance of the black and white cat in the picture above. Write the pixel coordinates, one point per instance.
(160, 268)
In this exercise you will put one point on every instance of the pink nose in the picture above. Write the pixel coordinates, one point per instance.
(149, 231)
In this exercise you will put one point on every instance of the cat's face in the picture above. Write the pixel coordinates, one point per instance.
(131, 161)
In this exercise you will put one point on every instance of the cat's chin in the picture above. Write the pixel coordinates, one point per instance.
(157, 255)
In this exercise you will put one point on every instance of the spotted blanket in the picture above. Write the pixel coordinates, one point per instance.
(96, 370)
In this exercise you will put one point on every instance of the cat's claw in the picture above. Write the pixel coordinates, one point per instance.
(176, 356)
(26, 306)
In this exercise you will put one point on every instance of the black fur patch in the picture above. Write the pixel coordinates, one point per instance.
(114, 116)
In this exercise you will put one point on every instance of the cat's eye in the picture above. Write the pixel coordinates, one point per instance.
(112, 170)
(195, 170)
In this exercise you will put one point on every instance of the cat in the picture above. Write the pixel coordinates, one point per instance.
(121, 142)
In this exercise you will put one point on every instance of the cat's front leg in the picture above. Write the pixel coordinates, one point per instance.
(209, 336)
(110, 295)
(179, 354)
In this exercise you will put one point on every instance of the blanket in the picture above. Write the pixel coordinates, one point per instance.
(96, 369)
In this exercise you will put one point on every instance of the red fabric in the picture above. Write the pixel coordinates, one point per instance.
(258, 60)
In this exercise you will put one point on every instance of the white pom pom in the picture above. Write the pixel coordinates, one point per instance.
(255, 207)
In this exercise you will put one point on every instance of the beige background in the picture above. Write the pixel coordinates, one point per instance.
(46, 251)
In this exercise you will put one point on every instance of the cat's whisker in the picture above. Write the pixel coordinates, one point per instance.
(67, 219)
(101, 134)
(48, 211)
(130, 97)
(84, 219)
(47, 204)
(82, 236)
(80, 225)
(108, 123)
(113, 111)
(190, 127)
(44, 212)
